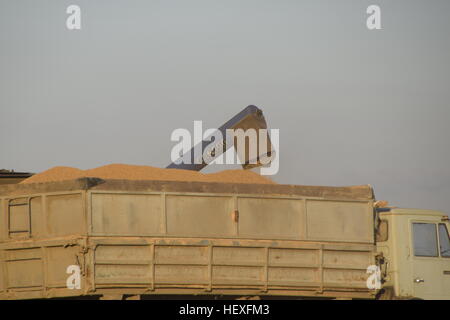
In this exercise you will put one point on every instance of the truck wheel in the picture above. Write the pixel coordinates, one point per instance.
(386, 294)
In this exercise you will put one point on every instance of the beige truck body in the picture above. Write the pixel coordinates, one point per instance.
(156, 237)
(131, 238)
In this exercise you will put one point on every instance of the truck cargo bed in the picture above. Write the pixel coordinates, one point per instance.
(160, 237)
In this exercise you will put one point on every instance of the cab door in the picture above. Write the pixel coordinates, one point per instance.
(427, 264)
(444, 248)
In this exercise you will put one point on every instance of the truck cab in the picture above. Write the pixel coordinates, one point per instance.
(414, 250)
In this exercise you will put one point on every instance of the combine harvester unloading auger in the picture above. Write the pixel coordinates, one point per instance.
(250, 118)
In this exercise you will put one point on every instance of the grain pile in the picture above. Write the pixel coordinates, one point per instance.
(131, 172)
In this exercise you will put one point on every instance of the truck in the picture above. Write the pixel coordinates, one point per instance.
(124, 239)
(137, 239)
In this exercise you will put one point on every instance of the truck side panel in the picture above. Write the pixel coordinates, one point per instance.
(230, 216)
(160, 242)
(188, 266)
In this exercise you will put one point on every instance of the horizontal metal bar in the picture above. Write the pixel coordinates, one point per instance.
(123, 262)
(23, 259)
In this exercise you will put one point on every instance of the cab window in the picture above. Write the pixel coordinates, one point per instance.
(444, 241)
(425, 240)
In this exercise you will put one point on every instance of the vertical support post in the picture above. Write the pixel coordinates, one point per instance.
(304, 227)
(86, 215)
(321, 268)
(164, 211)
(93, 264)
(236, 210)
(45, 214)
(8, 217)
(152, 266)
(45, 268)
(210, 262)
(5, 274)
(266, 269)
(29, 216)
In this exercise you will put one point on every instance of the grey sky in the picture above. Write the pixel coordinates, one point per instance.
(353, 106)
